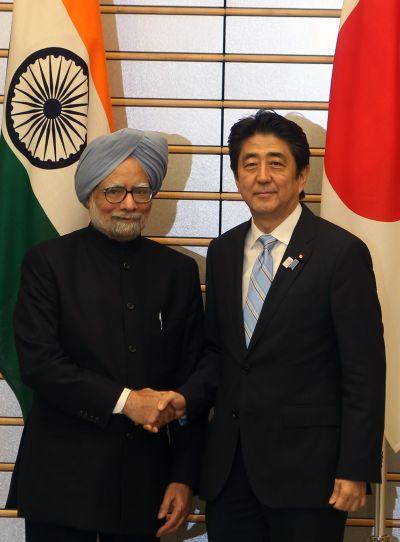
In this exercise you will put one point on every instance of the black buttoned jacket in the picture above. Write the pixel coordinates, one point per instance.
(306, 398)
(94, 316)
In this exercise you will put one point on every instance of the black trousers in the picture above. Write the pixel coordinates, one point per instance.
(43, 532)
(236, 515)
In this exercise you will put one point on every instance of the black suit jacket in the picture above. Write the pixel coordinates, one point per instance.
(307, 396)
(95, 316)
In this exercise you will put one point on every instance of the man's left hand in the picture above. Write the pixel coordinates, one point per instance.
(168, 400)
(348, 495)
(177, 500)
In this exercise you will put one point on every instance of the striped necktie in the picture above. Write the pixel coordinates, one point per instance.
(260, 282)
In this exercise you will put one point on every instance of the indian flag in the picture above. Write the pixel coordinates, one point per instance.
(361, 188)
(56, 100)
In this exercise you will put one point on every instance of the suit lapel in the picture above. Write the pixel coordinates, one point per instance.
(300, 248)
(235, 256)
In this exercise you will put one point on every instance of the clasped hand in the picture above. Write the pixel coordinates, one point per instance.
(153, 409)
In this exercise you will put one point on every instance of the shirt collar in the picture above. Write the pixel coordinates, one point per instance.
(283, 232)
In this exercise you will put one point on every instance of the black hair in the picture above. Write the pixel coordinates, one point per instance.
(269, 122)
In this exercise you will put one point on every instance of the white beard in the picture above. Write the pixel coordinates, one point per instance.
(119, 230)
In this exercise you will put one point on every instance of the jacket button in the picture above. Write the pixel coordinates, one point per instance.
(235, 414)
(130, 306)
(131, 349)
(246, 369)
(126, 266)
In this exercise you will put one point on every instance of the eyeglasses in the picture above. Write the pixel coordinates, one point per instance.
(117, 194)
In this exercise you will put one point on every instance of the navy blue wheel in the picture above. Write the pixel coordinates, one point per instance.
(47, 106)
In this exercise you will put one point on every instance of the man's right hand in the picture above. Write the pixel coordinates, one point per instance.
(142, 408)
(169, 400)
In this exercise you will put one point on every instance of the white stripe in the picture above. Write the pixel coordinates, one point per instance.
(383, 240)
(257, 287)
(347, 8)
(265, 271)
(37, 25)
(247, 331)
(252, 310)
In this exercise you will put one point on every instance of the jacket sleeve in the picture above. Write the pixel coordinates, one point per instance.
(187, 440)
(45, 367)
(359, 331)
(200, 389)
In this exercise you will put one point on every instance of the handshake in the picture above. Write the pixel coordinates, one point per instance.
(153, 409)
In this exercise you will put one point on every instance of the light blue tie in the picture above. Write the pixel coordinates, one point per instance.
(260, 282)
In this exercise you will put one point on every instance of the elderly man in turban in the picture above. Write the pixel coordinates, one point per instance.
(103, 315)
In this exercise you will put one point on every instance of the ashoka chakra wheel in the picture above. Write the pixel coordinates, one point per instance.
(46, 108)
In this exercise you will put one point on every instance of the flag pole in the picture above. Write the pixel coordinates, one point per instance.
(380, 504)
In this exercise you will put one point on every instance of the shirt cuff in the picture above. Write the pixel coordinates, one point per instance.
(121, 401)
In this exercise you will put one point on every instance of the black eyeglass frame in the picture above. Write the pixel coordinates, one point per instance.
(132, 192)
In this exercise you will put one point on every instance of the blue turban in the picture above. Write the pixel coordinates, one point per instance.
(105, 153)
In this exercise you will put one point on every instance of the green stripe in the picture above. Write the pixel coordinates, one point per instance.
(23, 223)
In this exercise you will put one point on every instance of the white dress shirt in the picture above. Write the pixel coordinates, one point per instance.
(253, 247)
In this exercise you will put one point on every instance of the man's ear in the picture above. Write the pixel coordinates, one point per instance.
(303, 177)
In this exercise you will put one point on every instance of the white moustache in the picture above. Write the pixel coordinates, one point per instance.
(135, 216)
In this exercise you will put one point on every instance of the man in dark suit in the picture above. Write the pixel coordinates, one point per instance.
(294, 361)
(104, 314)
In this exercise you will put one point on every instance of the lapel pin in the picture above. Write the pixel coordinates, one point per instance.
(301, 256)
(287, 262)
(290, 263)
